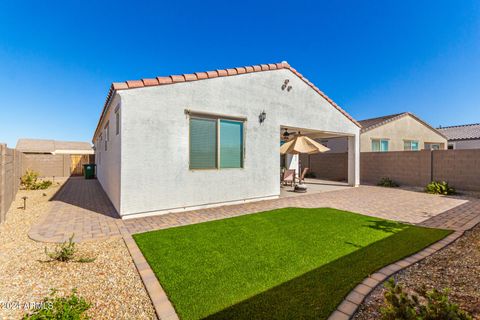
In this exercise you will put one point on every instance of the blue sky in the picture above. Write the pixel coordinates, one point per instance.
(58, 58)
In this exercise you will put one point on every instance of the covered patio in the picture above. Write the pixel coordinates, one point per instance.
(300, 161)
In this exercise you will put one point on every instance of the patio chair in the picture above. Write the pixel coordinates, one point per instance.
(302, 176)
(288, 177)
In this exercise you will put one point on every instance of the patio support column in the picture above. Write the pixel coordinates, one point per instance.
(354, 160)
(292, 161)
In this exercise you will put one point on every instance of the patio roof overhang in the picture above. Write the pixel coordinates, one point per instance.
(312, 133)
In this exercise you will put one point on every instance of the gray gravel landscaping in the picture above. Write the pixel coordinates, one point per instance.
(456, 267)
(111, 282)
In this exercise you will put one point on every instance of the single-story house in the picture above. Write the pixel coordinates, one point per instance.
(397, 132)
(53, 158)
(44, 146)
(211, 138)
(465, 136)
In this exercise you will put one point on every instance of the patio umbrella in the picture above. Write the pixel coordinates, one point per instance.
(302, 144)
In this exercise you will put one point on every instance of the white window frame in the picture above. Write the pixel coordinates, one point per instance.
(117, 119)
(107, 134)
(218, 120)
(430, 145)
(380, 140)
(410, 145)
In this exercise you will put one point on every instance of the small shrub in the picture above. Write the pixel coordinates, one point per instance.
(63, 252)
(29, 181)
(66, 252)
(310, 175)
(436, 187)
(44, 184)
(387, 182)
(71, 307)
(435, 306)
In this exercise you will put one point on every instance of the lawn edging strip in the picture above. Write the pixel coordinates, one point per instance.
(162, 305)
(347, 308)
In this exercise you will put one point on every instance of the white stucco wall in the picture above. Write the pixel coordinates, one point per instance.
(109, 162)
(155, 170)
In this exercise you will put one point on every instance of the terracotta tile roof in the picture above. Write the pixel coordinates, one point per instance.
(131, 84)
(372, 123)
(50, 146)
(461, 132)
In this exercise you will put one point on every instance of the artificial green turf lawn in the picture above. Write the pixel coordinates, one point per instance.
(290, 263)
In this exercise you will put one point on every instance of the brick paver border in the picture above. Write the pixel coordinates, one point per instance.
(347, 308)
(163, 307)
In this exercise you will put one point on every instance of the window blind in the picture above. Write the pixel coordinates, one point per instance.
(203, 143)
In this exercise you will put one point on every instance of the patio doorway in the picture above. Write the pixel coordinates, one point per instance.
(322, 172)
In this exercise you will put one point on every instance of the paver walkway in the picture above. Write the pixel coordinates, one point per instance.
(82, 207)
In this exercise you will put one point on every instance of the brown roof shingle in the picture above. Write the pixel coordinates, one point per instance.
(369, 124)
(461, 132)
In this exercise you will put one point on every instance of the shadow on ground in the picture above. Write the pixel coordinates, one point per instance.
(316, 294)
(387, 226)
(85, 194)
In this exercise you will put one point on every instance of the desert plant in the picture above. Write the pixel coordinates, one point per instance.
(436, 187)
(66, 252)
(435, 306)
(387, 182)
(71, 307)
(399, 305)
(63, 252)
(438, 306)
(42, 185)
(29, 181)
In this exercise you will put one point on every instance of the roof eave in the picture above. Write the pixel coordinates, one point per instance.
(401, 115)
(134, 84)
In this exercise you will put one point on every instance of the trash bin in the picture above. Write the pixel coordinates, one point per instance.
(89, 170)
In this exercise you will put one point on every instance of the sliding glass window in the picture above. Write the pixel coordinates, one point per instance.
(216, 143)
(231, 144)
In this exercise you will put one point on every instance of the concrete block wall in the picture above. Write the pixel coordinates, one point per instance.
(48, 165)
(329, 166)
(405, 167)
(10, 173)
(461, 168)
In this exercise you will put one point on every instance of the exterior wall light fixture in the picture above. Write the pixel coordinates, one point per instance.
(262, 116)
